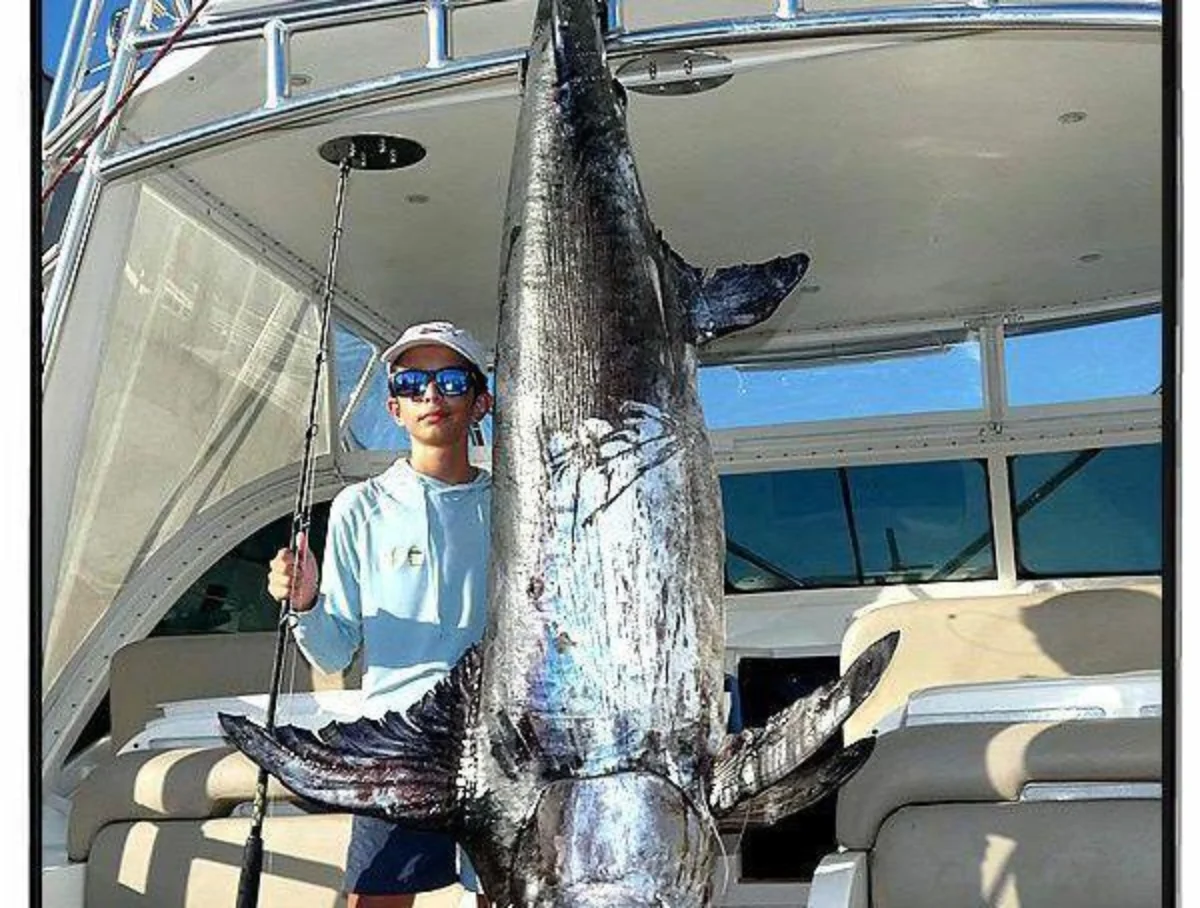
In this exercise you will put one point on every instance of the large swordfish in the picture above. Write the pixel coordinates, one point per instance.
(579, 753)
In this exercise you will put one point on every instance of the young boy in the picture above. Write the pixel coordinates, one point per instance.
(404, 578)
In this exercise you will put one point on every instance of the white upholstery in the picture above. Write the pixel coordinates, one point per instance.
(954, 764)
(1041, 635)
(162, 669)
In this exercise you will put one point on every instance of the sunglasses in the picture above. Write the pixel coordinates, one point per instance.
(452, 381)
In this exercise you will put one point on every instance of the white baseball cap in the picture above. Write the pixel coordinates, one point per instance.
(443, 333)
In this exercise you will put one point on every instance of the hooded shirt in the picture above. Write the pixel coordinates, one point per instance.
(404, 576)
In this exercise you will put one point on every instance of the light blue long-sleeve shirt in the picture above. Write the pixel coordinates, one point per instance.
(404, 576)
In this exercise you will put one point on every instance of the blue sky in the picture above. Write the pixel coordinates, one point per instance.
(1107, 360)
(56, 15)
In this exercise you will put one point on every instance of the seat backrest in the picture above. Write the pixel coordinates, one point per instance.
(1010, 814)
(1051, 634)
(165, 669)
(993, 762)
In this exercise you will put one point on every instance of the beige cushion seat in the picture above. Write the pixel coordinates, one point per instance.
(982, 808)
(1082, 854)
(1059, 814)
(1050, 634)
(991, 762)
(197, 863)
(154, 826)
(181, 784)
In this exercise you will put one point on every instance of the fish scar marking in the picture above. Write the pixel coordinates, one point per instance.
(652, 270)
(600, 451)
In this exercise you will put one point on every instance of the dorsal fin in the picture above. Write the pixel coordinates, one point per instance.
(736, 297)
(406, 767)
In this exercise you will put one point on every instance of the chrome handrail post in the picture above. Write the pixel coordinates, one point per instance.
(441, 37)
(789, 9)
(72, 63)
(87, 191)
(279, 70)
(719, 33)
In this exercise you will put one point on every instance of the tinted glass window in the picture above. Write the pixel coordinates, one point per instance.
(1117, 358)
(897, 523)
(231, 596)
(351, 355)
(786, 530)
(931, 378)
(1088, 512)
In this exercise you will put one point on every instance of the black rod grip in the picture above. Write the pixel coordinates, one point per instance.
(252, 859)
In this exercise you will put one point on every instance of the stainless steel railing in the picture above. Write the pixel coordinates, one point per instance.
(273, 25)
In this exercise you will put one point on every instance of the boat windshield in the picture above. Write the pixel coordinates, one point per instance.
(204, 390)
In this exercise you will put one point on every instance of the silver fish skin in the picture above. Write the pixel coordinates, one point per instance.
(579, 753)
(606, 636)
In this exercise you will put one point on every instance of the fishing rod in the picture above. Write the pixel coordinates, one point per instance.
(359, 152)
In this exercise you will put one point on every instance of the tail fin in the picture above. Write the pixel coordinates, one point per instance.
(404, 767)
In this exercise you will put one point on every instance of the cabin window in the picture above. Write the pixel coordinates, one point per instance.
(1093, 512)
(791, 849)
(856, 526)
(231, 596)
(1119, 357)
(351, 357)
(926, 375)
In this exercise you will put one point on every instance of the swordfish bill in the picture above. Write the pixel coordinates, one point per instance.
(579, 753)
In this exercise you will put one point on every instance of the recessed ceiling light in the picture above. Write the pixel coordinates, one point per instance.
(1072, 116)
(1089, 257)
(299, 80)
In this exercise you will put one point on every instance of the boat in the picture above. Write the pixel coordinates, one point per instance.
(953, 427)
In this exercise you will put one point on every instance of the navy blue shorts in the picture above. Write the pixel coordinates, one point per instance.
(386, 859)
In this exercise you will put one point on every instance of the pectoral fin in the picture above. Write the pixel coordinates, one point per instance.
(739, 296)
(829, 768)
(756, 762)
(404, 767)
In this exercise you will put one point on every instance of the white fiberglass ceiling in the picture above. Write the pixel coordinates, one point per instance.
(964, 175)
